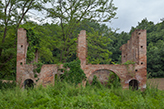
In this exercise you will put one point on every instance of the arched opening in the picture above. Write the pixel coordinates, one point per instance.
(105, 77)
(133, 84)
(28, 83)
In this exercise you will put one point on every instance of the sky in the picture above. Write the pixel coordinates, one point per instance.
(130, 12)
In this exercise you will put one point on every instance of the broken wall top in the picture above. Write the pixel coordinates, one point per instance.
(135, 48)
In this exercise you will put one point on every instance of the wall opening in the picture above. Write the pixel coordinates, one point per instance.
(133, 84)
(28, 83)
(105, 77)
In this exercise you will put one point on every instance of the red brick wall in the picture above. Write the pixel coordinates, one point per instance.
(134, 50)
(25, 71)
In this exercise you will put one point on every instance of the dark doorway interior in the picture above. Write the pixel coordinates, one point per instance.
(28, 83)
(133, 84)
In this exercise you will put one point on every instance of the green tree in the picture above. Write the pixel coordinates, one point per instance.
(117, 40)
(154, 46)
(69, 13)
(98, 52)
(98, 41)
(13, 13)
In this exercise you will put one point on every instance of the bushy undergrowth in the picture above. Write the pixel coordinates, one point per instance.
(67, 96)
(7, 85)
(75, 74)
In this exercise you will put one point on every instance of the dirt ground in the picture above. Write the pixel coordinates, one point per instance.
(156, 82)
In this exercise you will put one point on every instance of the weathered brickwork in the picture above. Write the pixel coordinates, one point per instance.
(134, 50)
(25, 71)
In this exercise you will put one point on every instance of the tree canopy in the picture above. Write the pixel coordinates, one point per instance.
(57, 41)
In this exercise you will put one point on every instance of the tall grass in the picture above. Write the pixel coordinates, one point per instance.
(67, 96)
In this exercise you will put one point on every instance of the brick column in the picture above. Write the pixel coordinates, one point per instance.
(82, 48)
(142, 48)
(21, 53)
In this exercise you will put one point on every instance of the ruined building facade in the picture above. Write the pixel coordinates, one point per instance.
(130, 75)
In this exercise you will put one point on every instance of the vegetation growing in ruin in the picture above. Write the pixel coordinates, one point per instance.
(131, 72)
(75, 74)
(56, 42)
(64, 95)
(128, 62)
(33, 41)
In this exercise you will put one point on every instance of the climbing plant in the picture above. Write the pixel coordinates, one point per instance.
(75, 74)
(37, 69)
(33, 40)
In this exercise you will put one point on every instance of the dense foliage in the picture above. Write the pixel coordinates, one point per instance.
(56, 42)
(75, 74)
(64, 95)
(155, 44)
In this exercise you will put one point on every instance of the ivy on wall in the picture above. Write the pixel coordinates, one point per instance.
(75, 74)
(33, 40)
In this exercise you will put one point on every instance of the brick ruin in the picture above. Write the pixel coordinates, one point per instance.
(134, 75)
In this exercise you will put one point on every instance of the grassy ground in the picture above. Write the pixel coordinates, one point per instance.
(66, 96)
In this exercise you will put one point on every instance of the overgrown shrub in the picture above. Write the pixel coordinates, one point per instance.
(6, 85)
(113, 80)
(64, 95)
(96, 82)
(75, 74)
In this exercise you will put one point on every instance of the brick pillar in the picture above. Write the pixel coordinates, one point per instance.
(21, 53)
(82, 48)
(142, 48)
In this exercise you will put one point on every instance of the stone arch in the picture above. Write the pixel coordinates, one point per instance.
(134, 84)
(102, 75)
(28, 83)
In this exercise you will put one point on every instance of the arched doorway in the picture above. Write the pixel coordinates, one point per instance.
(133, 84)
(28, 83)
(106, 77)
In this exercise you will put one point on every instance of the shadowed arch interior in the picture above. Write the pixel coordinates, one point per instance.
(133, 84)
(28, 83)
(103, 76)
